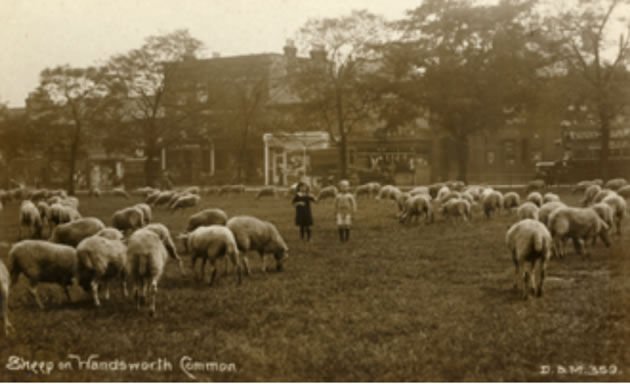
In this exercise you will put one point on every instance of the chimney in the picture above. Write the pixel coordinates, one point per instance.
(289, 49)
(318, 52)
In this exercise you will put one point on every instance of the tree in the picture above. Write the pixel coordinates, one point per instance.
(333, 83)
(596, 62)
(470, 68)
(69, 102)
(154, 104)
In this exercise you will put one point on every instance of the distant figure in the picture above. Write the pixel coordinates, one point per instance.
(345, 206)
(303, 215)
(166, 181)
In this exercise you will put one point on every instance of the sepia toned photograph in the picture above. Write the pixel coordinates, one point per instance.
(315, 191)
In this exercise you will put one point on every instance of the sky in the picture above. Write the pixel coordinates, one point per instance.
(37, 34)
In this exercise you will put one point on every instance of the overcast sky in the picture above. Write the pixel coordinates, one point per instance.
(36, 34)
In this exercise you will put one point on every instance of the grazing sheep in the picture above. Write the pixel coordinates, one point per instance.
(601, 195)
(581, 186)
(492, 201)
(210, 191)
(253, 234)
(549, 197)
(30, 218)
(5, 283)
(73, 232)
(624, 192)
(527, 210)
(474, 191)
(434, 189)
(578, 224)
(511, 200)
(453, 195)
(194, 190)
(71, 202)
(444, 191)
(266, 191)
(152, 197)
(536, 198)
(535, 185)
(365, 190)
(605, 212)
(165, 236)
(590, 194)
(456, 185)
(530, 244)
(231, 189)
(145, 191)
(100, 260)
(211, 243)
(327, 192)
(60, 214)
(43, 262)
(615, 184)
(128, 219)
(547, 209)
(120, 192)
(185, 201)
(146, 257)
(401, 199)
(110, 233)
(387, 192)
(147, 213)
(161, 199)
(210, 216)
(457, 209)
(419, 191)
(417, 206)
(618, 204)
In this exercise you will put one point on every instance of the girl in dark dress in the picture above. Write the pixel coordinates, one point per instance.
(303, 216)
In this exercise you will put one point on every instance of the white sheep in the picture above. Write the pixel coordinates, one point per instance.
(73, 232)
(618, 204)
(549, 197)
(145, 191)
(442, 192)
(194, 190)
(253, 234)
(387, 192)
(417, 206)
(161, 199)
(153, 196)
(165, 236)
(327, 192)
(120, 192)
(444, 198)
(581, 225)
(601, 195)
(43, 262)
(615, 184)
(535, 185)
(363, 190)
(110, 233)
(492, 201)
(60, 214)
(605, 212)
(71, 202)
(527, 210)
(31, 219)
(266, 191)
(422, 190)
(530, 245)
(624, 192)
(511, 200)
(5, 284)
(147, 213)
(547, 209)
(185, 201)
(128, 219)
(590, 194)
(581, 186)
(536, 198)
(210, 190)
(457, 209)
(401, 198)
(211, 243)
(101, 259)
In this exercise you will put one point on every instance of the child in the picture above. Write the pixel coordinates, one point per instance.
(345, 206)
(303, 215)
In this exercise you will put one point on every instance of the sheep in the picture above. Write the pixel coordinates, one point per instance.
(401, 199)
(174, 197)
(328, 192)
(581, 186)
(146, 258)
(615, 184)
(100, 260)
(590, 194)
(210, 216)
(419, 191)
(365, 189)
(165, 236)
(549, 197)
(448, 196)
(161, 199)
(120, 192)
(44, 210)
(535, 185)
(185, 201)
(110, 233)
(145, 191)
(457, 208)
(231, 189)
(492, 201)
(624, 192)
(194, 190)
(71, 202)
(152, 197)
(387, 192)
(210, 243)
(527, 210)
(605, 212)
(546, 210)
(536, 198)
(435, 188)
(618, 205)
(531, 246)
(5, 283)
(73, 232)
(30, 218)
(147, 213)
(444, 191)
(456, 185)
(266, 191)
(474, 191)
(128, 219)
(253, 234)
(416, 206)
(601, 195)
(210, 190)
(468, 197)
(60, 214)
(578, 224)
(39, 194)
(43, 262)
(511, 200)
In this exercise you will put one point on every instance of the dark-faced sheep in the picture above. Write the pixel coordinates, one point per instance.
(128, 219)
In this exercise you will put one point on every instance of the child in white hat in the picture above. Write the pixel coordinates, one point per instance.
(345, 206)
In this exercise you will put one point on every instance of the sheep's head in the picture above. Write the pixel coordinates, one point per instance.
(281, 255)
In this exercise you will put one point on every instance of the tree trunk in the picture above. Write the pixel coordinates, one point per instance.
(462, 158)
(74, 149)
(242, 157)
(149, 164)
(343, 149)
(605, 144)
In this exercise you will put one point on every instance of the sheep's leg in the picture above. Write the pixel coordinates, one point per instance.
(526, 280)
(124, 287)
(8, 327)
(33, 290)
(227, 266)
(153, 296)
(246, 263)
(516, 272)
(203, 267)
(577, 246)
(542, 265)
(106, 290)
(94, 286)
(237, 265)
(194, 261)
(213, 263)
(262, 258)
(67, 290)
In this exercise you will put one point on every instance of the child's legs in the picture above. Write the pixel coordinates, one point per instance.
(307, 230)
(302, 232)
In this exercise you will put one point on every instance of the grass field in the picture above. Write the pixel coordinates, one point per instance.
(396, 303)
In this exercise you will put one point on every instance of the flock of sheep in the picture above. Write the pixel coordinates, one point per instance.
(134, 249)
(84, 250)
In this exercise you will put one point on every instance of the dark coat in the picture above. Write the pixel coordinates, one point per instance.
(303, 215)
